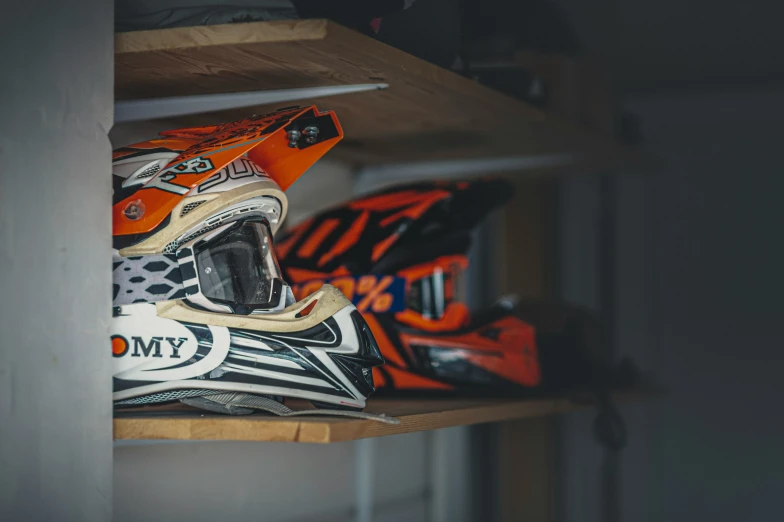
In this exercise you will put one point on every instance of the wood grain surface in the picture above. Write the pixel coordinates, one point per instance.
(183, 423)
(427, 113)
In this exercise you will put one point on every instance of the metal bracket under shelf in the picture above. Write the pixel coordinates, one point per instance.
(373, 177)
(153, 108)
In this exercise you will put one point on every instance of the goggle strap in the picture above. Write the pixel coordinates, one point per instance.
(147, 279)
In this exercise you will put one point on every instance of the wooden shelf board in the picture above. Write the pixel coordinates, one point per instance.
(428, 113)
(183, 423)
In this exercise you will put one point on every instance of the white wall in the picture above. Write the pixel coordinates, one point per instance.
(270, 482)
(55, 230)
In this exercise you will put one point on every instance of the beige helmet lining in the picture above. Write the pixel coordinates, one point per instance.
(179, 224)
(329, 299)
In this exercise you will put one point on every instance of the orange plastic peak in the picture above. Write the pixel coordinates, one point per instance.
(191, 132)
(213, 147)
(285, 164)
(174, 144)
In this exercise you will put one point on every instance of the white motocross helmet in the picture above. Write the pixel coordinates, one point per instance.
(201, 312)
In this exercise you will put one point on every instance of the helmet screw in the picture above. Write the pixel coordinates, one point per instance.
(134, 210)
(311, 134)
(293, 136)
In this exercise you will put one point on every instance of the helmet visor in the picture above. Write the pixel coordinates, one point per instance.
(239, 265)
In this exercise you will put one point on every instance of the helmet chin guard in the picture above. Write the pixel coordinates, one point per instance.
(202, 313)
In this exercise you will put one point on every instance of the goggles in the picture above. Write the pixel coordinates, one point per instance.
(231, 269)
(431, 294)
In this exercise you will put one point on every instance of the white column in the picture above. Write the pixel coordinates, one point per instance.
(55, 239)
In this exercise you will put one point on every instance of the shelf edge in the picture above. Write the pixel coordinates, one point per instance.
(216, 35)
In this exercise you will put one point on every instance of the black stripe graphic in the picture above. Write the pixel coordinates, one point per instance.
(274, 368)
(267, 381)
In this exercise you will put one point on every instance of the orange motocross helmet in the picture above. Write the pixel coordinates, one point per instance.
(398, 256)
(201, 311)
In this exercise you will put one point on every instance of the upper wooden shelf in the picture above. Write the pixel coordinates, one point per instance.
(180, 422)
(428, 113)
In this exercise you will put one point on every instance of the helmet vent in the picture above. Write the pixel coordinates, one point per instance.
(174, 245)
(164, 397)
(254, 205)
(190, 206)
(149, 171)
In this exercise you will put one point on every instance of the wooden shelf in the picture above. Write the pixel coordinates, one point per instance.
(180, 422)
(428, 113)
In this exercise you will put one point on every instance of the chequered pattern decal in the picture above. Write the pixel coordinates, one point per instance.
(188, 207)
(149, 171)
(145, 279)
(164, 397)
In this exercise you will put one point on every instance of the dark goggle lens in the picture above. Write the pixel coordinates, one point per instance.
(239, 266)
